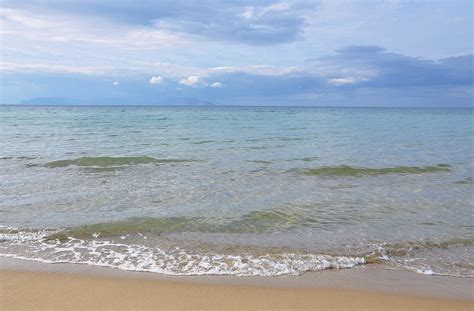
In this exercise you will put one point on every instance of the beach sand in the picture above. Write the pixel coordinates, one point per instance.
(52, 288)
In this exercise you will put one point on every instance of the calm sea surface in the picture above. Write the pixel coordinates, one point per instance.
(242, 191)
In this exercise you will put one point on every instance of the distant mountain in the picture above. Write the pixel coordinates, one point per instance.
(50, 101)
(58, 101)
(189, 102)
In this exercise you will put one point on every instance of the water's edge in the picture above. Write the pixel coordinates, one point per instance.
(371, 278)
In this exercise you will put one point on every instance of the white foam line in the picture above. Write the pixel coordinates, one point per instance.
(175, 262)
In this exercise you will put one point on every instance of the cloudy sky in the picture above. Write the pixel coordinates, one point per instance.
(241, 52)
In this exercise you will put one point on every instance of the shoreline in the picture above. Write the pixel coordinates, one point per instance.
(27, 284)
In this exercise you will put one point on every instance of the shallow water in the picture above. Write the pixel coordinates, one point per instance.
(244, 191)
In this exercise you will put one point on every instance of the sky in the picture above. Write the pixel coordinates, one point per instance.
(381, 53)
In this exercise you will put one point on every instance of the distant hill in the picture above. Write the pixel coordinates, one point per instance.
(50, 101)
(58, 101)
(189, 102)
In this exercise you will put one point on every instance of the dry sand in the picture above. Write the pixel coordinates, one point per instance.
(26, 290)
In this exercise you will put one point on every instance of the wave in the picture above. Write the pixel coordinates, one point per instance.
(253, 222)
(157, 225)
(107, 162)
(267, 221)
(433, 257)
(137, 253)
(345, 170)
(141, 252)
(466, 181)
(307, 159)
(173, 261)
(402, 249)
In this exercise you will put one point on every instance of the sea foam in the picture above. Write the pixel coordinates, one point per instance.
(173, 261)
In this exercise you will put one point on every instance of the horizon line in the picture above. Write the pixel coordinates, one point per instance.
(230, 106)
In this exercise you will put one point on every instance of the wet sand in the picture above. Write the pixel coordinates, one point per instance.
(27, 286)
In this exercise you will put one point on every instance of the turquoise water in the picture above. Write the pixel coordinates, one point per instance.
(244, 191)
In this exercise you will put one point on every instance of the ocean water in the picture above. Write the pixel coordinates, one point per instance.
(238, 191)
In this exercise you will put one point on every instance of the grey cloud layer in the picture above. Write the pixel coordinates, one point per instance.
(395, 70)
(263, 22)
(363, 66)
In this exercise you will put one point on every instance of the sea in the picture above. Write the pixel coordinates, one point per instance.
(245, 191)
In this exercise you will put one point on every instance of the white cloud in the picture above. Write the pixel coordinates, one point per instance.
(156, 80)
(216, 85)
(342, 81)
(22, 25)
(26, 20)
(115, 83)
(248, 13)
(347, 80)
(198, 81)
(176, 71)
(47, 67)
(258, 11)
(47, 42)
(258, 69)
(192, 81)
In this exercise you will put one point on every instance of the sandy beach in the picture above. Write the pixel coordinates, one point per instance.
(29, 291)
(30, 286)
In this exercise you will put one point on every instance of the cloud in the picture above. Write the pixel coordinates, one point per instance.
(358, 74)
(252, 22)
(256, 25)
(116, 83)
(216, 85)
(376, 67)
(198, 81)
(156, 80)
(258, 69)
(361, 50)
(46, 26)
(353, 66)
(55, 68)
(347, 80)
(193, 81)
(36, 37)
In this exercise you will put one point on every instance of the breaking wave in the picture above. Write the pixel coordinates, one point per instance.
(173, 261)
